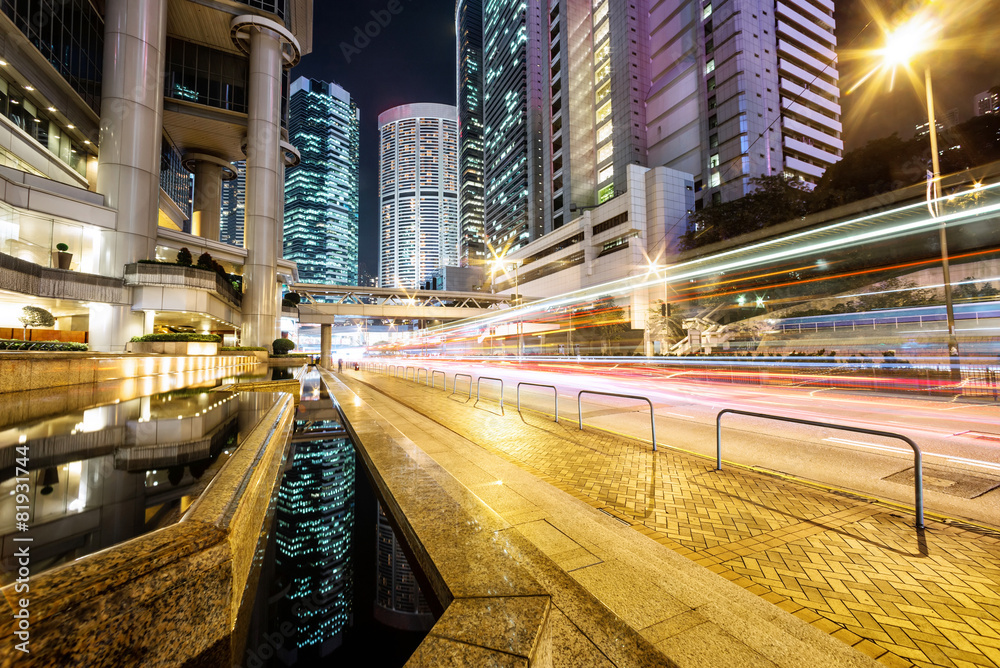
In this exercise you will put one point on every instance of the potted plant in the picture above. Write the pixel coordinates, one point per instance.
(63, 256)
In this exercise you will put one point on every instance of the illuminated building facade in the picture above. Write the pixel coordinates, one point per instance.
(742, 89)
(321, 192)
(234, 206)
(418, 193)
(513, 116)
(469, 27)
(314, 520)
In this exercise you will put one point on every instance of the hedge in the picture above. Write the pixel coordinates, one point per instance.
(179, 336)
(238, 349)
(51, 346)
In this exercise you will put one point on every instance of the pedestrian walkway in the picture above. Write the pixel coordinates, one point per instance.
(854, 569)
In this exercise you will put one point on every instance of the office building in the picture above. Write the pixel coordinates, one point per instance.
(418, 193)
(106, 112)
(514, 113)
(987, 102)
(469, 27)
(234, 206)
(321, 192)
(314, 520)
(742, 89)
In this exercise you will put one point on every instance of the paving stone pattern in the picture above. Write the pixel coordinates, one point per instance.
(855, 569)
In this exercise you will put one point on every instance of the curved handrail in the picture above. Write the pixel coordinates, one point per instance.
(918, 469)
(454, 383)
(554, 390)
(480, 380)
(434, 371)
(426, 375)
(652, 419)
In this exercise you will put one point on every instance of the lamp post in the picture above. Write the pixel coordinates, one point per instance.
(502, 263)
(932, 206)
(902, 44)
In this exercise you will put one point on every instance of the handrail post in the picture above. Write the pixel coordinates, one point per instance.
(554, 390)
(918, 465)
(652, 414)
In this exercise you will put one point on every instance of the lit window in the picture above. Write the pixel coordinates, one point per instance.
(606, 174)
(713, 162)
(714, 180)
(710, 66)
(605, 152)
(604, 112)
(604, 132)
(706, 12)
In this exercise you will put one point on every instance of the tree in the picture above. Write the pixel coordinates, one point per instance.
(774, 200)
(604, 322)
(891, 293)
(35, 316)
(205, 261)
(184, 257)
(282, 346)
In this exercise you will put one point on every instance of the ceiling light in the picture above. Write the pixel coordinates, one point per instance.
(86, 141)
(28, 88)
(52, 108)
(71, 127)
(3, 63)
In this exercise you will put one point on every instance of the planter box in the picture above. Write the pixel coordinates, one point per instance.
(173, 348)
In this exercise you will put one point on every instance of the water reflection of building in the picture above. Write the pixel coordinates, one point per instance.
(399, 602)
(315, 519)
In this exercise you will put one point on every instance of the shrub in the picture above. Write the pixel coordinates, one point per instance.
(282, 346)
(62, 247)
(237, 349)
(184, 258)
(179, 336)
(50, 346)
(292, 297)
(205, 261)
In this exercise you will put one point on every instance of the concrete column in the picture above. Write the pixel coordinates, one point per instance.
(261, 298)
(147, 321)
(206, 216)
(128, 172)
(111, 326)
(325, 345)
(270, 47)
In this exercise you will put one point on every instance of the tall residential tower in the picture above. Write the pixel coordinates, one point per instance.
(418, 193)
(321, 194)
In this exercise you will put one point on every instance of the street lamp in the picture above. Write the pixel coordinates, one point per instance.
(502, 263)
(902, 44)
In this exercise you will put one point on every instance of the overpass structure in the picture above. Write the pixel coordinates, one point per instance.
(355, 301)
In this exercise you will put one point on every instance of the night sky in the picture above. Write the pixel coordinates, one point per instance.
(412, 59)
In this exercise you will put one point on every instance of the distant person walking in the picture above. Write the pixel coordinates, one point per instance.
(340, 366)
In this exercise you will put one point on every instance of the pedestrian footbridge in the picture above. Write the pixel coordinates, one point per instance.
(324, 303)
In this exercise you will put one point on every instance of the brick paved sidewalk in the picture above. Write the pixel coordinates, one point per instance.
(854, 569)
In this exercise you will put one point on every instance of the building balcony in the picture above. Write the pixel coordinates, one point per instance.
(175, 276)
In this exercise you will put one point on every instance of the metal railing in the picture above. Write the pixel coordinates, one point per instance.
(454, 383)
(554, 390)
(426, 375)
(443, 374)
(652, 418)
(918, 471)
(406, 373)
(499, 380)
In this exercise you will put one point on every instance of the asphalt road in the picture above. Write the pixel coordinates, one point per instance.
(959, 440)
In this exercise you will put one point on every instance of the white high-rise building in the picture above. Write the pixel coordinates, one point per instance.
(418, 193)
(741, 89)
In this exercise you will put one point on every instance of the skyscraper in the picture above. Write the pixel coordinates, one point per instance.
(574, 92)
(514, 111)
(321, 193)
(418, 193)
(747, 88)
(469, 27)
(234, 206)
